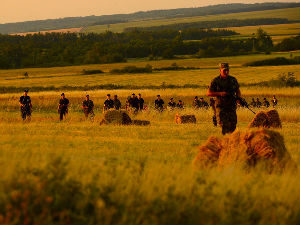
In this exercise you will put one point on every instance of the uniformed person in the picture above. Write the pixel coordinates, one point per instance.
(26, 107)
(258, 103)
(253, 103)
(196, 103)
(274, 101)
(108, 103)
(63, 106)
(225, 89)
(171, 104)
(213, 106)
(88, 107)
(134, 103)
(117, 103)
(179, 105)
(203, 103)
(141, 102)
(159, 104)
(266, 103)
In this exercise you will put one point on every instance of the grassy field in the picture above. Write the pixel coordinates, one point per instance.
(62, 76)
(291, 14)
(78, 172)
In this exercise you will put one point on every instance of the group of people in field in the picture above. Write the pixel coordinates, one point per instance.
(224, 93)
(258, 104)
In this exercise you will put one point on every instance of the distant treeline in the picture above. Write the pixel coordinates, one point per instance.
(275, 62)
(71, 22)
(218, 24)
(59, 49)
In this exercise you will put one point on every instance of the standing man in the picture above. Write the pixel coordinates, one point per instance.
(274, 101)
(225, 89)
(141, 102)
(117, 103)
(63, 106)
(88, 107)
(26, 107)
(159, 104)
(134, 103)
(108, 103)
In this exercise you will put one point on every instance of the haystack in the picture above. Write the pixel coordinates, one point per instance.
(266, 119)
(245, 148)
(140, 122)
(185, 119)
(116, 117)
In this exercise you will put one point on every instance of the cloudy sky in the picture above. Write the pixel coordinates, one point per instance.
(25, 10)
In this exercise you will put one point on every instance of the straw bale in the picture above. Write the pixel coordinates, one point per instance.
(179, 119)
(246, 149)
(140, 122)
(266, 119)
(116, 117)
(274, 118)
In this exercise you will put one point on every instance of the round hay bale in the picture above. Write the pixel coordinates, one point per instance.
(260, 120)
(116, 117)
(247, 149)
(274, 119)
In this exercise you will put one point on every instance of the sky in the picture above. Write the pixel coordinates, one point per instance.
(26, 10)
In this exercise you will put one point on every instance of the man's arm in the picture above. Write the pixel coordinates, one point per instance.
(216, 93)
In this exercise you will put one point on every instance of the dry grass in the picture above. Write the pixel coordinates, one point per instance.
(266, 119)
(180, 119)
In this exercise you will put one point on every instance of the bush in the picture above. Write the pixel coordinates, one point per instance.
(88, 72)
(133, 69)
(275, 62)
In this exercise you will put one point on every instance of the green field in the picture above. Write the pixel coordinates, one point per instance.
(78, 172)
(291, 14)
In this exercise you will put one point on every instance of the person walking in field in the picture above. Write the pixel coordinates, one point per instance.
(141, 102)
(88, 107)
(226, 90)
(159, 104)
(26, 106)
(108, 103)
(117, 103)
(63, 106)
(134, 103)
(274, 101)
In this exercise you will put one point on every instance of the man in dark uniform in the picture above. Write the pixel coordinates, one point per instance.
(88, 107)
(134, 103)
(141, 102)
(171, 104)
(25, 104)
(179, 105)
(159, 104)
(225, 89)
(258, 103)
(117, 103)
(196, 103)
(266, 103)
(108, 103)
(253, 103)
(63, 106)
(203, 103)
(274, 101)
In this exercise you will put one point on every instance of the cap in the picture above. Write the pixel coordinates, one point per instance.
(140, 94)
(180, 101)
(62, 94)
(196, 96)
(158, 95)
(224, 65)
(133, 94)
(115, 95)
(108, 95)
(201, 98)
(87, 96)
(26, 90)
(171, 98)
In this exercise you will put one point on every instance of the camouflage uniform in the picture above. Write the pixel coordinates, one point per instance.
(225, 105)
(88, 106)
(25, 102)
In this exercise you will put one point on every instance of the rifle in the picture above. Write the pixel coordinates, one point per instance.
(243, 103)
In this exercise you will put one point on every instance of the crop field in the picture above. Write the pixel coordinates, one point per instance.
(291, 14)
(79, 172)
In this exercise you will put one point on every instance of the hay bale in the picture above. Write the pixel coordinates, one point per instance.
(209, 152)
(246, 149)
(140, 122)
(274, 119)
(116, 117)
(260, 120)
(179, 119)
